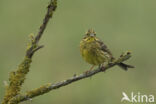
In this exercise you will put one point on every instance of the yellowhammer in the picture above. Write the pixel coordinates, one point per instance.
(95, 52)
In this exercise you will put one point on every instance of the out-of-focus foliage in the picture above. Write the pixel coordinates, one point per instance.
(121, 24)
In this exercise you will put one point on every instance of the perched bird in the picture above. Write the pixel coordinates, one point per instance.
(95, 52)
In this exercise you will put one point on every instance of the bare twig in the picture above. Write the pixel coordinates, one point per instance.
(37, 48)
(51, 8)
(17, 77)
(48, 87)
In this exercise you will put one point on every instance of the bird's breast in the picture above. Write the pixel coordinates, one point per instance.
(92, 54)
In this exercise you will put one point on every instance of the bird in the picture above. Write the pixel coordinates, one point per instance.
(95, 52)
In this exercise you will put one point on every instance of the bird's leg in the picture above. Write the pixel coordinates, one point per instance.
(110, 62)
(102, 67)
(89, 70)
(91, 67)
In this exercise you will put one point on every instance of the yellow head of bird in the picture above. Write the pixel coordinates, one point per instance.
(90, 35)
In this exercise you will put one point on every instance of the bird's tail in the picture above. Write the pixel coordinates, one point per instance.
(125, 66)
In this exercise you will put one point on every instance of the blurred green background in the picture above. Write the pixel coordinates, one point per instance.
(121, 24)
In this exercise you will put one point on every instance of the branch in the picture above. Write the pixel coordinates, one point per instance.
(51, 8)
(49, 87)
(17, 77)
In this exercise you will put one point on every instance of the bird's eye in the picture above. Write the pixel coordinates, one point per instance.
(87, 34)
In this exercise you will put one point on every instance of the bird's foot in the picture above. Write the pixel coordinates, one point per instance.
(102, 68)
(86, 72)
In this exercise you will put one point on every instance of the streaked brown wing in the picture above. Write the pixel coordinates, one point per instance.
(104, 48)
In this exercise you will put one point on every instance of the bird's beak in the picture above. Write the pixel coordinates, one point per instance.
(92, 35)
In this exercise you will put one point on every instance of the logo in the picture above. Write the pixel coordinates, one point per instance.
(137, 97)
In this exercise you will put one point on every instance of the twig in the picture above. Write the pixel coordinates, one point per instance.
(46, 88)
(17, 77)
(51, 8)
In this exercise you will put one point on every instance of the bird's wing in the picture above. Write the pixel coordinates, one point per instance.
(104, 47)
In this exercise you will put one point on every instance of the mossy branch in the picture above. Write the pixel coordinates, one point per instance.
(49, 87)
(17, 77)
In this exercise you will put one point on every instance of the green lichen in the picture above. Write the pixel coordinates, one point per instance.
(31, 43)
(39, 91)
(32, 39)
(35, 92)
(16, 79)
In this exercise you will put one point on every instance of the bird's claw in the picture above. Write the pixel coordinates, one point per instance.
(86, 72)
(103, 69)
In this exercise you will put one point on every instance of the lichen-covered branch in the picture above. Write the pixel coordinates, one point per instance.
(17, 77)
(48, 87)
